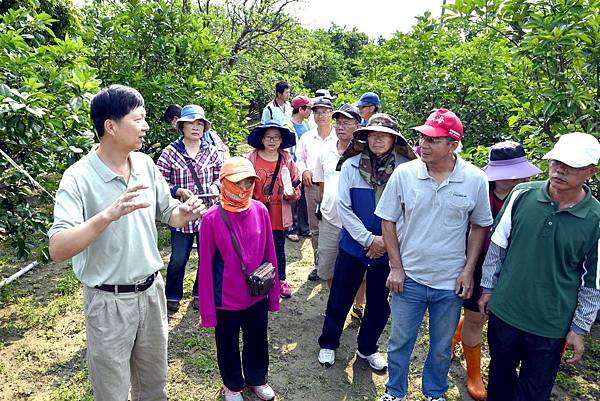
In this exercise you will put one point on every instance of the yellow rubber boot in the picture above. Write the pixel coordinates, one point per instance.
(475, 385)
(456, 336)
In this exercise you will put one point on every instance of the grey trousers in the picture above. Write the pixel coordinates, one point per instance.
(127, 343)
(313, 197)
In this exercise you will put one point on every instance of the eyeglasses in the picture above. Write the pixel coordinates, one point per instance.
(321, 113)
(378, 136)
(568, 170)
(272, 138)
(433, 140)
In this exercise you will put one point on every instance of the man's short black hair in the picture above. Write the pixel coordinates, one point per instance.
(171, 112)
(113, 103)
(281, 86)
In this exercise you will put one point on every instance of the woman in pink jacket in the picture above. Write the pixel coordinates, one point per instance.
(225, 299)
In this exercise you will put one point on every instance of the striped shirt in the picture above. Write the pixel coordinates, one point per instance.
(172, 163)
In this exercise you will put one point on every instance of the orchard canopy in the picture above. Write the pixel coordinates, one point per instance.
(522, 70)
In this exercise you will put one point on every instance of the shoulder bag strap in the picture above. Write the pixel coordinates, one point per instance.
(273, 179)
(234, 240)
(190, 165)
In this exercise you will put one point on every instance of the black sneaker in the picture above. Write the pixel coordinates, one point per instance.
(172, 306)
(195, 304)
(313, 276)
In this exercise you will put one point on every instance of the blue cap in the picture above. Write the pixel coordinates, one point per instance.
(368, 99)
(193, 112)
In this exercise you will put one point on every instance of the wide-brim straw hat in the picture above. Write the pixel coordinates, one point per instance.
(380, 122)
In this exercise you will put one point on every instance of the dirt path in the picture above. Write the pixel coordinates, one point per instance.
(42, 347)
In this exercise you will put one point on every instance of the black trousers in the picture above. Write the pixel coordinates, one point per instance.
(539, 358)
(255, 353)
(279, 240)
(347, 277)
(299, 215)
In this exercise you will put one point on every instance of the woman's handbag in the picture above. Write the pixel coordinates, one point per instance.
(262, 279)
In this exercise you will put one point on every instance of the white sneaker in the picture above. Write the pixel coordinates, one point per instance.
(326, 357)
(389, 397)
(376, 361)
(264, 392)
(230, 395)
(429, 398)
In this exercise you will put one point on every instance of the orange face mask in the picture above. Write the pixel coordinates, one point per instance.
(233, 198)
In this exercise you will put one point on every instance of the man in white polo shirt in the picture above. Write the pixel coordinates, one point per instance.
(347, 120)
(310, 146)
(104, 218)
(426, 209)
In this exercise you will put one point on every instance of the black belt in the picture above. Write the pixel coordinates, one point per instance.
(121, 288)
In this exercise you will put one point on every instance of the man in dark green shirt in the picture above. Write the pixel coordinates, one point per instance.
(541, 276)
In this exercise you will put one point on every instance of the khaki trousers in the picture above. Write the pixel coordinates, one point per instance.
(313, 197)
(127, 343)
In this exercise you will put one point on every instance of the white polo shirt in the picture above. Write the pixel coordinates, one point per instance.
(309, 148)
(325, 172)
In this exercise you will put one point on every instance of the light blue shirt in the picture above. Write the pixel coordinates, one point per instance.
(432, 219)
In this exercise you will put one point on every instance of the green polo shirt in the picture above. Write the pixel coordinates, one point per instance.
(127, 250)
(550, 254)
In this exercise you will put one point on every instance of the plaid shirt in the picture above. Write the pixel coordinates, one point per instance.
(207, 163)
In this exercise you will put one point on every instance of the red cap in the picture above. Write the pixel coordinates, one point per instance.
(442, 122)
(300, 101)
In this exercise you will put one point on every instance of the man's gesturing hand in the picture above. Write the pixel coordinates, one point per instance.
(126, 203)
(192, 208)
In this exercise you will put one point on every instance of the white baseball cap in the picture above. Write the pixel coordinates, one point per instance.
(576, 150)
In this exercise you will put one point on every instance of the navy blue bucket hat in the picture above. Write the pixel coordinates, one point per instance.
(288, 138)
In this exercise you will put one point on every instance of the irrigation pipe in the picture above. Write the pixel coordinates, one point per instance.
(18, 274)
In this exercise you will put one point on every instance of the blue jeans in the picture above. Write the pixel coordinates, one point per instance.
(408, 309)
(181, 246)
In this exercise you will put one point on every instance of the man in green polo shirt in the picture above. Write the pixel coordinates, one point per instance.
(104, 218)
(541, 276)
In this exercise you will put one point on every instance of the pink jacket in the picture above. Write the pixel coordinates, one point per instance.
(286, 204)
(221, 282)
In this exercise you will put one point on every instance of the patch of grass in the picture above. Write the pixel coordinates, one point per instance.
(68, 284)
(77, 389)
(7, 295)
(197, 351)
(164, 236)
(33, 314)
(568, 383)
